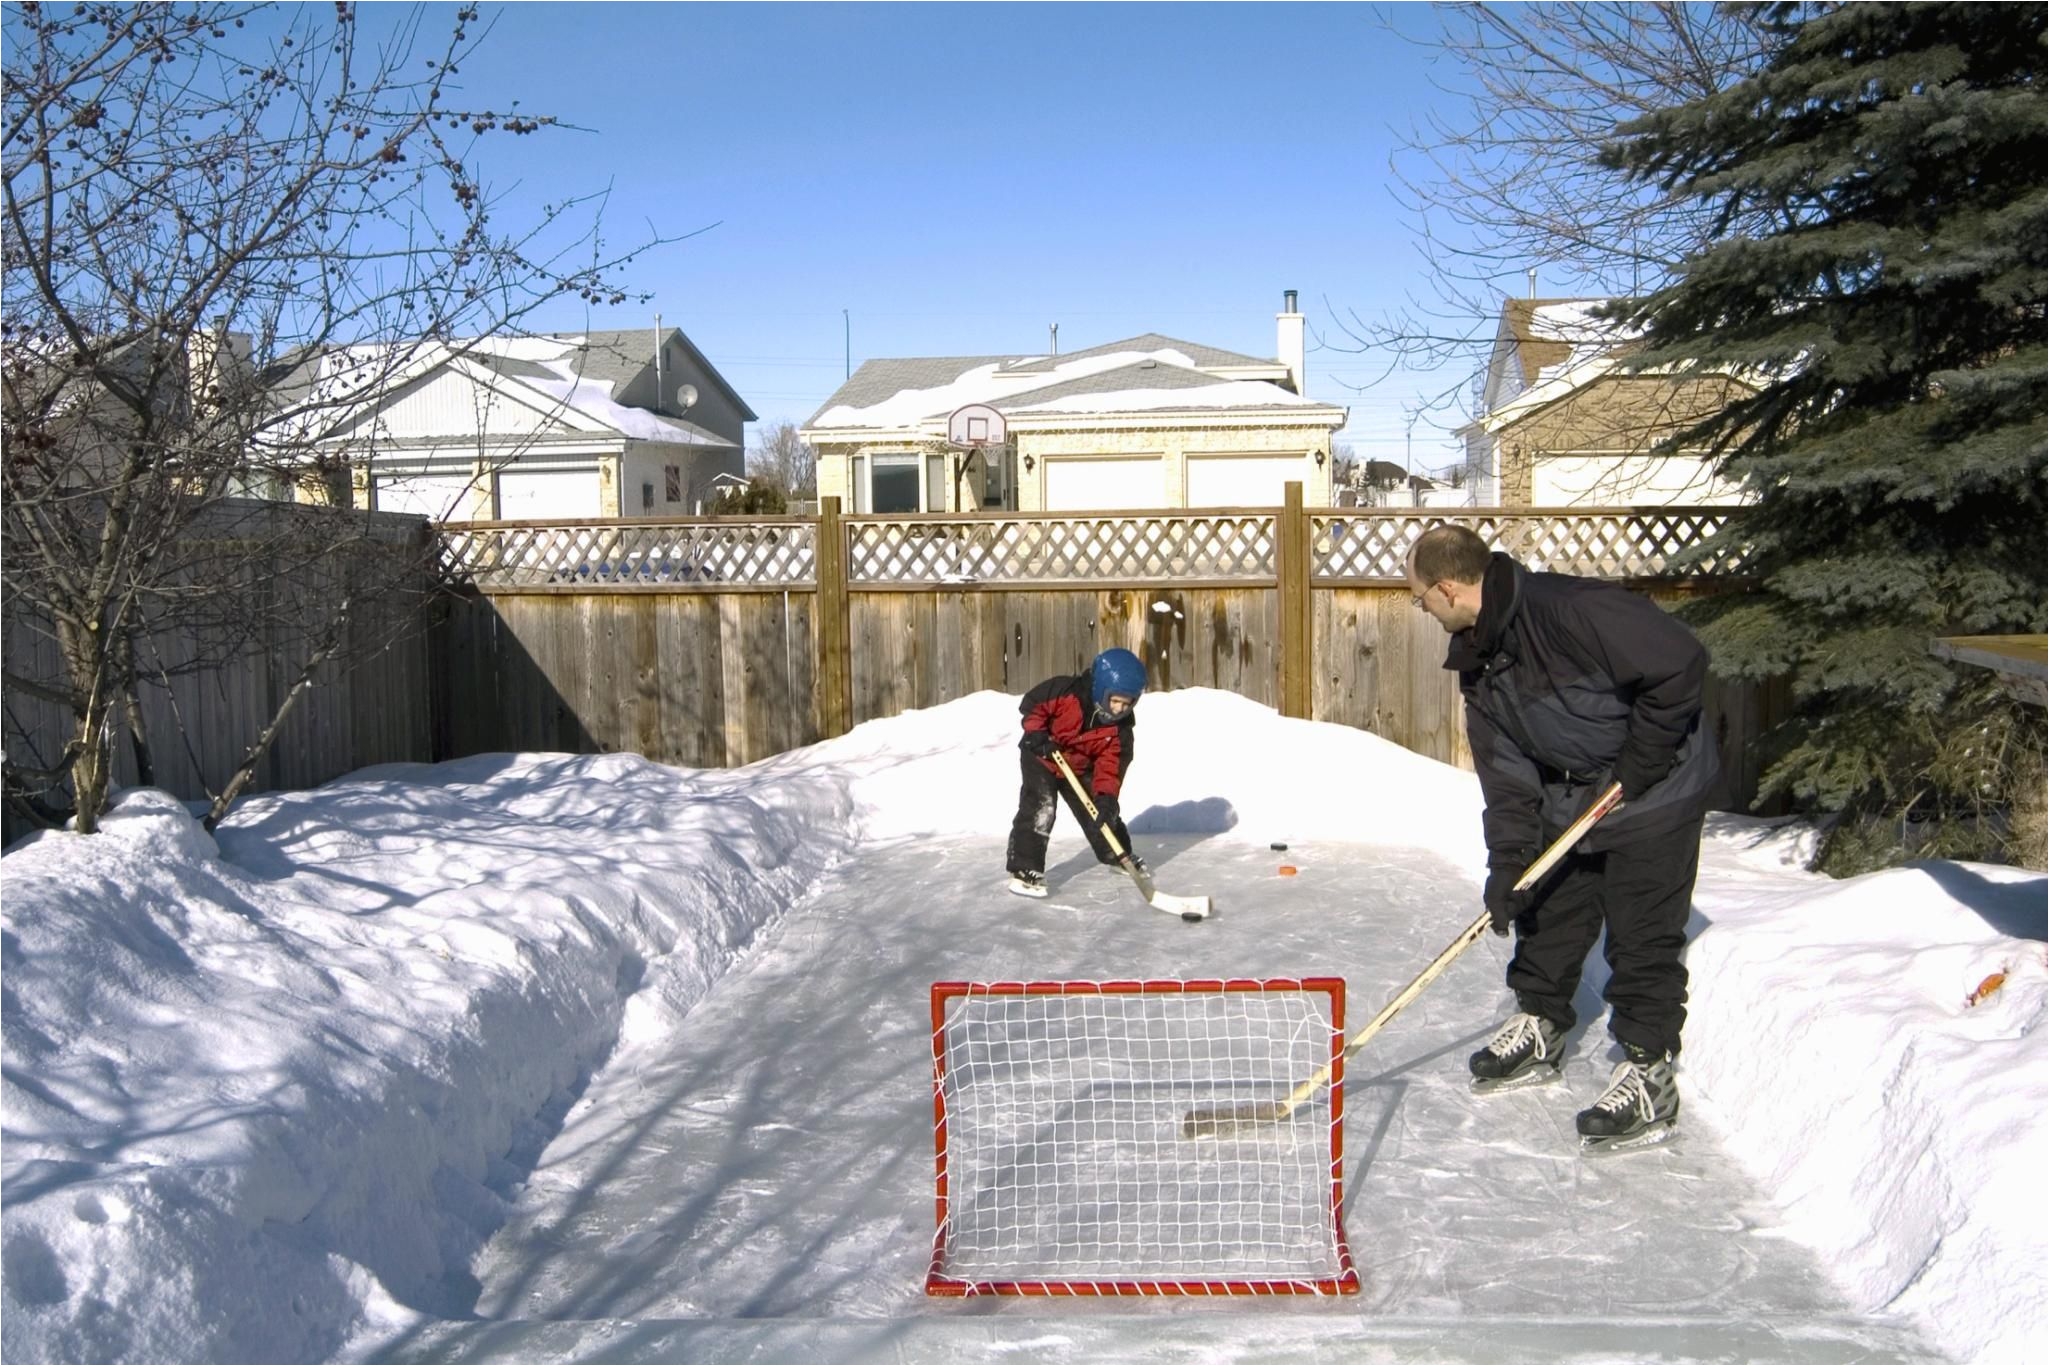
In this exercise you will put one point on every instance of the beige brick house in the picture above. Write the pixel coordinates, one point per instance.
(1564, 424)
(1147, 422)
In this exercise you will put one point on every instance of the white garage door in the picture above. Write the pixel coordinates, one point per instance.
(552, 496)
(1095, 483)
(1242, 481)
(440, 497)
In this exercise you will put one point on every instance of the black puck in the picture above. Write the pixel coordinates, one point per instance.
(1277, 845)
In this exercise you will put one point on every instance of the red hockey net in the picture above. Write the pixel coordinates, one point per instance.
(1064, 1168)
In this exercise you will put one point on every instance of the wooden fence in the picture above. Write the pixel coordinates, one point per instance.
(709, 642)
(228, 648)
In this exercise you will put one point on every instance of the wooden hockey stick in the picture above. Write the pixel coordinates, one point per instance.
(1189, 908)
(1211, 1122)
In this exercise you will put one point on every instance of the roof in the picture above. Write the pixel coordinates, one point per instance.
(582, 371)
(1149, 372)
(1545, 331)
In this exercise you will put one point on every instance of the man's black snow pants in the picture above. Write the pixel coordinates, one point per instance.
(1641, 894)
(1035, 812)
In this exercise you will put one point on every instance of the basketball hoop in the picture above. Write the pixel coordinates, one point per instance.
(973, 429)
(976, 426)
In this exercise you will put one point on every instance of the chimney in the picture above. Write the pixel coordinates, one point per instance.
(1292, 353)
(1056, 338)
(1533, 282)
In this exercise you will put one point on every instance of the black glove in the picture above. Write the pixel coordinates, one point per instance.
(1039, 742)
(1106, 807)
(1639, 773)
(1504, 903)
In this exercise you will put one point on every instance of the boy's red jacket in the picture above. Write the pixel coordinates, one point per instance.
(1099, 751)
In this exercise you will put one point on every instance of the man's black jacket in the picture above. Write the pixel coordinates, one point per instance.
(1570, 683)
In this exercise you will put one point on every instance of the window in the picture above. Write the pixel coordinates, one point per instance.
(673, 475)
(893, 487)
(647, 496)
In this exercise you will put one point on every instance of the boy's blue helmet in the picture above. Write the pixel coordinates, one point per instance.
(1116, 671)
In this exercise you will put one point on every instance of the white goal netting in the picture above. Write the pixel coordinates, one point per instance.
(1062, 1116)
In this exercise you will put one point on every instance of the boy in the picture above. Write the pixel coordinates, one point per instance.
(1088, 718)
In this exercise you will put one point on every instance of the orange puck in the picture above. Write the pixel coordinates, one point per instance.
(1289, 870)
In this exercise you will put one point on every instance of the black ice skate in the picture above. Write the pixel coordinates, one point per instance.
(1526, 1051)
(1028, 884)
(1639, 1109)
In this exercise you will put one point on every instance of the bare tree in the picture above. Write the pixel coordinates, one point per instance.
(224, 224)
(1504, 178)
(782, 457)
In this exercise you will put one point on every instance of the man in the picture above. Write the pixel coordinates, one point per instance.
(1088, 718)
(1571, 684)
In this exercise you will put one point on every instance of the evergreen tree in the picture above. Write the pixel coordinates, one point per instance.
(1896, 316)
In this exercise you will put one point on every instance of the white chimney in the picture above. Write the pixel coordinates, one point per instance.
(1292, 352)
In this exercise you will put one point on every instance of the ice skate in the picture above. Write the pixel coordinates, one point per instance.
(1028, 884)
(1640, 1108)
(1526, 1051)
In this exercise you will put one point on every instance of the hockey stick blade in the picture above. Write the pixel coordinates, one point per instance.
(1189, 908)
(1224, 1121)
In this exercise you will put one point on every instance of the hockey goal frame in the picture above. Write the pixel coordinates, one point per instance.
(1345, 1281)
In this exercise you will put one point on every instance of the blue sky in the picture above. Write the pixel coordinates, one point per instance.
(958, 177)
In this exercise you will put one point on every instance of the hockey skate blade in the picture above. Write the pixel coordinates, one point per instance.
(1656, 1136)
(1526, 1081)
(1225, 1121)
(1189, 908)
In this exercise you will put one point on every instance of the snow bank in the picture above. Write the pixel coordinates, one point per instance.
(1898, 1120)
(251, 1089)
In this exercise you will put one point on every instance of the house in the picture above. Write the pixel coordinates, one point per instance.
(633, 423)
(1147, 422)
(1382, 483)
(1564, 423)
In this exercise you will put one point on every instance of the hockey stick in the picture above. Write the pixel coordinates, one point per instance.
(1208, 1122)
(1189, 908)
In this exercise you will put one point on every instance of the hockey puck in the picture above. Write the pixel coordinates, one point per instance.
(1289, 870)
(1277, 846)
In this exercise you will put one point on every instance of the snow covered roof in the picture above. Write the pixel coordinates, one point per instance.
(583, 372)
(1148, 373)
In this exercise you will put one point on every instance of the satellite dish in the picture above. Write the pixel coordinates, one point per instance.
(686, 394)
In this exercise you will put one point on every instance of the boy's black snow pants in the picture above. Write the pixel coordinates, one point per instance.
(1035, 812)
(1641, 894)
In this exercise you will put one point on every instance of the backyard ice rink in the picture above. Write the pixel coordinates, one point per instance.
(650, 1073)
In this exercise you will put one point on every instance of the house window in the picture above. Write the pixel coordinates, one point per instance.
(647, 496)
(893, 485)
(672, 476)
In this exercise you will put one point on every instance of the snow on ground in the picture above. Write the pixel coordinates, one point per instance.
(494, 1057)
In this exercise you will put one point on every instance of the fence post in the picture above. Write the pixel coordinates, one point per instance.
(1293, 585)
(835, 675)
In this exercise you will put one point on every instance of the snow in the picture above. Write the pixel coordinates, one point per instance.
(1239, 393)
(996, 381)
(550, 1057)
(593, 398)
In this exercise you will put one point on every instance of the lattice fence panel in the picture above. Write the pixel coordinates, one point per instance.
(1608, 543)
(651, 555)
(1062, 550)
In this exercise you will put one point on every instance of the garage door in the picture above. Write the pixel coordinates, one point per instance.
(440, 497)
(1095, 483)
(552, 496)
(1242, 481)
